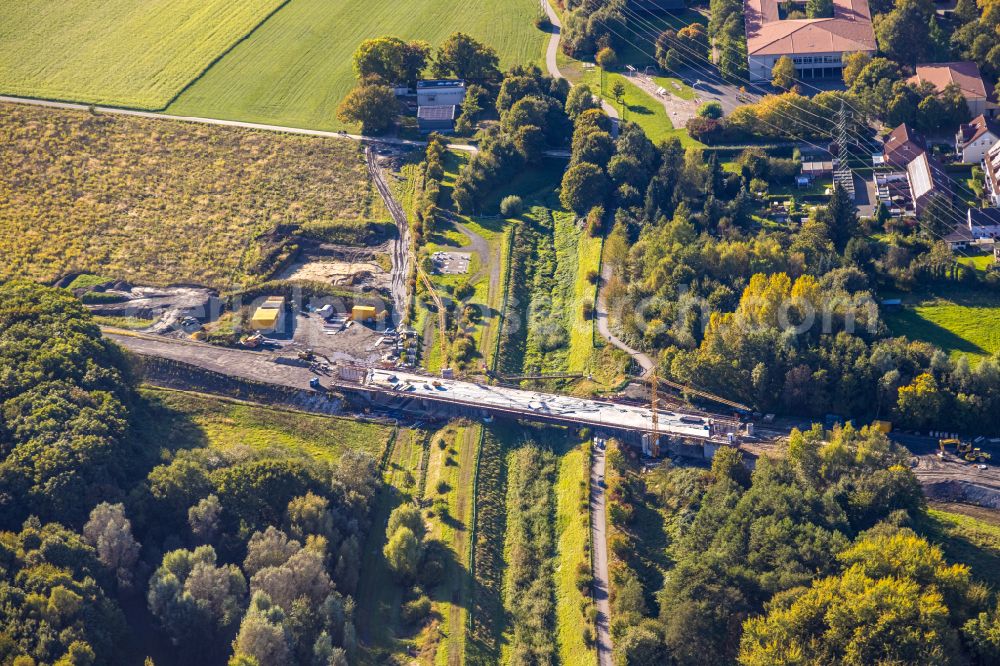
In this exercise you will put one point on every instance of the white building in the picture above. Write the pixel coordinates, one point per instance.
(816, 46)
(976, 138)
(440, 92)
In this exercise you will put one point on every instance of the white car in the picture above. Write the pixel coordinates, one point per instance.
(980, 466)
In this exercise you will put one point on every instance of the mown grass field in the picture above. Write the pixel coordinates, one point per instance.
(160, 202)
(573, 547)
(960, 321)
(135, 53)
(220, 423)
(450, 472)
(970, 535)
(296, 68)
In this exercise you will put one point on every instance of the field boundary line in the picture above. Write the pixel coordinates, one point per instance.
(224, 53)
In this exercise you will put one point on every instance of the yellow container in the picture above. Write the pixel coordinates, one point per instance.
(363, 313)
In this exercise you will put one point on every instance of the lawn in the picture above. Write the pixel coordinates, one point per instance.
(222, 423)
(639, 107)
(135, 53)
(449, 490)
(573, 550)
(161, 202)
(980, 262)
(969, 539)
(296, 68)
(960, 321)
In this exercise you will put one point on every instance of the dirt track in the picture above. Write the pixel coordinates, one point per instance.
(400, 251)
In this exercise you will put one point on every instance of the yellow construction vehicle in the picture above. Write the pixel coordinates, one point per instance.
(963, 447)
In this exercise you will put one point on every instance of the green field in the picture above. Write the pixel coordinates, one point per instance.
(136, 53)
(959, 321)
(195, 419)
(296, 68)
(969, 535)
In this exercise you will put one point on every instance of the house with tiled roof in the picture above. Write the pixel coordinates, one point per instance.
(916, 177)
(816, 46)
(975, 138)
(979, 95)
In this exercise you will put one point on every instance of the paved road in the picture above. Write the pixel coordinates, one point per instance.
(400, 244)
(644, 361)
(229, 123)
(599, 539)
(553, 67)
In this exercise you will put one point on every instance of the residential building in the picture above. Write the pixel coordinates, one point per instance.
(991, 174)
(984, 223)
(915, 177)
(440, 92)
(974, 139)
(816, 46)
(959, 238)
(927, 180)
(902, 146)
(978, 94)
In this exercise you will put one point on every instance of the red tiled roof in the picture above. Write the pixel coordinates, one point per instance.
(902, 146)
(976, 128)
(850, 29)
(965, 75)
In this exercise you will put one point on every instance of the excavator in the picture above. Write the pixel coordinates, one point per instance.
(964, 449)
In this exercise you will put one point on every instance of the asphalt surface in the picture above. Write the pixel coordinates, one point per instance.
(552, 65)
(599, 539)
(601, 314)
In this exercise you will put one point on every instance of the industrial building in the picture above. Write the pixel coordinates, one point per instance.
(440, 92)
(436, 118)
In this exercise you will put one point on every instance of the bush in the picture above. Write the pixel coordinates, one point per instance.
(593, 276)
(417, 610)
(543, 22)
(442, 486)
(711, 109)
(511, 206)
(706, 130)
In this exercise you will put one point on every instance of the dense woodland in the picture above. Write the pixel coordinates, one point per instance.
(249, 554)
(815, 557)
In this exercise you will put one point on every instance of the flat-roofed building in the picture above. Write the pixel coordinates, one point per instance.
(440, 92)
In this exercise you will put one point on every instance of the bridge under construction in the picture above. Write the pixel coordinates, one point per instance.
(415, 392)
(490, 400)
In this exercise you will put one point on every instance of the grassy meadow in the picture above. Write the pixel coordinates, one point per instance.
(297, 67)
(161, 202)
(134, 53)
(960, 321)
(194, 420)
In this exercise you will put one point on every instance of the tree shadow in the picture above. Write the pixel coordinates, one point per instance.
(909, 322)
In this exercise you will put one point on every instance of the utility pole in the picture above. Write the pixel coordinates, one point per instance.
(842, 174)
